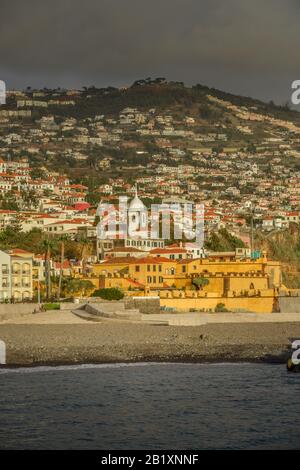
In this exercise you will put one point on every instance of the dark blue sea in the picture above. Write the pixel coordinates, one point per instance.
(150, 406)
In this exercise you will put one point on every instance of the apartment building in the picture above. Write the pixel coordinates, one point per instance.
(15, 275)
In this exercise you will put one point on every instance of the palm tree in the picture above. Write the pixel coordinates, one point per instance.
(62, 240)
(85, 248)
(48, 245)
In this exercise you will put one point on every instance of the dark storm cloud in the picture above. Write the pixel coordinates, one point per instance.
(247, 47)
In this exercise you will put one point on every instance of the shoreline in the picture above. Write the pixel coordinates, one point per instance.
(145, 362)
(33, 345)
(213, 361)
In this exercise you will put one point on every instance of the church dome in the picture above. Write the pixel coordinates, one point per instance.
(136, 204)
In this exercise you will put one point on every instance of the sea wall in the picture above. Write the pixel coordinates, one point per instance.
(289, 304)
(247, 304)
(147, 305)
(11, 311)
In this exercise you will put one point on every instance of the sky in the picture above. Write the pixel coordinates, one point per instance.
(247, 47)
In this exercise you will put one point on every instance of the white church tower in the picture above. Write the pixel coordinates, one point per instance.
(137, 218)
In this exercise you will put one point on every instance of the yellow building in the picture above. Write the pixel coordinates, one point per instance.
(138, 273)
(225, 273)
(228, 275)
(239, 283)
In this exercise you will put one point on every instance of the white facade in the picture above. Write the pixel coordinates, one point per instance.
(15, 276)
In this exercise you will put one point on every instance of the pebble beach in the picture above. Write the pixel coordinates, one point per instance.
(62, 338)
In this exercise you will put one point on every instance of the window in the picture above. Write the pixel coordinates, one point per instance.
(137, 269)
(4, 268)
(184, 269)
(149, 279)
(160, 268)
(16, 268)
(148, 268)
(154, 279)
(154, 268)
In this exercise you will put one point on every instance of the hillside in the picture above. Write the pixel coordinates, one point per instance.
(158, 93)
(284, 246)
(232, 153)
(193, 119)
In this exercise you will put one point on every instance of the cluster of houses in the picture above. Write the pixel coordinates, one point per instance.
(244, 170)
(182, 274)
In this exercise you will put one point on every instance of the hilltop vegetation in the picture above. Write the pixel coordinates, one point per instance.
(284, 246)
(157, 93)
(223, 241)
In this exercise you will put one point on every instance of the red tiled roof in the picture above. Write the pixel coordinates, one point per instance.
(66, 264)
(135, 283)
(125, 250)
(19, 251)
(132, 260)
(167, 250)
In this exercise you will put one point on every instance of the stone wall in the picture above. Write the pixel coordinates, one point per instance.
(147, 305)
(246, 304)
(289, 304)
(11, 311)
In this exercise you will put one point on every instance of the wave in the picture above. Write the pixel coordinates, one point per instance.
(118, 365)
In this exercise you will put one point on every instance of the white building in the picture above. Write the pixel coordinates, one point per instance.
(15, 275)
(137, 236)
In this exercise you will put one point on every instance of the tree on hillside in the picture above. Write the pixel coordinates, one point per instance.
(200, 282)
(62, 241)
(82, 286)
(223, 241)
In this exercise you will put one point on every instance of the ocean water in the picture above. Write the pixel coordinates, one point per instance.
(150, 406)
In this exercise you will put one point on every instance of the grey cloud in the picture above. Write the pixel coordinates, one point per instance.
(247, 47)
